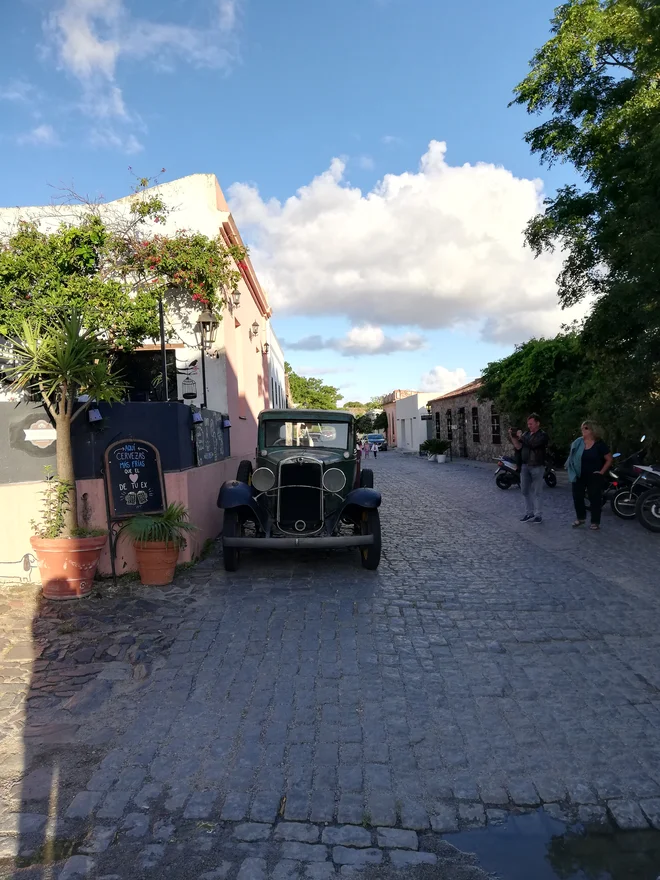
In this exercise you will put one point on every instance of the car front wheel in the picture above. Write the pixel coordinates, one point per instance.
(366, 479)
(230, 529)
(370, 525)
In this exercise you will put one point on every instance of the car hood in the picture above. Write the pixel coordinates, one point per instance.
(327, 456)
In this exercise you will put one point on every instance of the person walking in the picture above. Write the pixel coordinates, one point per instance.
(365, 448)
(533, 446)
(374, 449)
(587, 463)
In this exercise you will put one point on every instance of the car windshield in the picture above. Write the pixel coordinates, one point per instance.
(375, 438)
(333, 435)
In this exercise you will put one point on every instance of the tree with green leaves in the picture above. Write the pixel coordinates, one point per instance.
(596, 83)
(380, 422)
(310, 393)
(551, 377)
(111, 266)
(364, 424)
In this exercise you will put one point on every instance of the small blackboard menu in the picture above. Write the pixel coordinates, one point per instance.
(210, 437)
(134, 479)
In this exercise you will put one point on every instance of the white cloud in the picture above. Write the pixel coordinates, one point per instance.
(366, 163)
(109, 139)
(18, 91)
(442, 380)
(442, 247)
(41, 136)
(91, 37)
(362, 340)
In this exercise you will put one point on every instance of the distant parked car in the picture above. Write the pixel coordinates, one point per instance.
(379, 440)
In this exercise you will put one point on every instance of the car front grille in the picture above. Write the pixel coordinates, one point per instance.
(300, 494)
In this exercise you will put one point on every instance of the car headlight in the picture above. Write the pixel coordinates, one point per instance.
(334, 480)
(263, 479)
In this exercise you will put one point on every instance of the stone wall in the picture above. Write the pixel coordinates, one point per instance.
(482, 444)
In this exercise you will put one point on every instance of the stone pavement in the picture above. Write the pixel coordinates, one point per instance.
(305, 718)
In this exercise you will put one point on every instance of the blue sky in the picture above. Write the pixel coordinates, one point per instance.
(383, 272)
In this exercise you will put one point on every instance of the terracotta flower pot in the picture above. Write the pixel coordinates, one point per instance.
(68, 565)
(157, 562)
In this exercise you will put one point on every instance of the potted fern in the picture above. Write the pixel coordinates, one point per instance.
(157, 540)
(61, 362)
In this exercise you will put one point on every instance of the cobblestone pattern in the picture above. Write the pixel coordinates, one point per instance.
(486, 665)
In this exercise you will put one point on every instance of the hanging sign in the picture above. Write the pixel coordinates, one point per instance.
(134, 479)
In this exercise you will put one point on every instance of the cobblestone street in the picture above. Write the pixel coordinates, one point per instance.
(304, 717)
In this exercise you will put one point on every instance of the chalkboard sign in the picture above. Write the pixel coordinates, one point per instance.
(134, 479)
(210, 437)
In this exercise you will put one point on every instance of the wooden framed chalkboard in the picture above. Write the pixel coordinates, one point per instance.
(210, 433)
(133, 479)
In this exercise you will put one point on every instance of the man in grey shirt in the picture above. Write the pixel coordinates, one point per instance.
(533, 446)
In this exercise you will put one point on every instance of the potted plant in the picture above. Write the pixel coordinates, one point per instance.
(435, 449)
(426, 447)
(61, 362)
(157, 540)
(441, 447)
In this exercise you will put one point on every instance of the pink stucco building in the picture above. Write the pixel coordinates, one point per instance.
(236, 368)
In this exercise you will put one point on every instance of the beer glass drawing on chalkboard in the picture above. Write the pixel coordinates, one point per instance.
(134, 479)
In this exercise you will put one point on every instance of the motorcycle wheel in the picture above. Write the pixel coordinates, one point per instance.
(502, 481)
(648, 510)
(550, 480)
(623, 504)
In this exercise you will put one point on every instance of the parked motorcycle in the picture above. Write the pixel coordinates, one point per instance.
(507, 474)
(622, 490)
(647, 507)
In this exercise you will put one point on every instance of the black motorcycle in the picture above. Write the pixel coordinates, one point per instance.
(624, 486)
(647, 507)
(507, 473)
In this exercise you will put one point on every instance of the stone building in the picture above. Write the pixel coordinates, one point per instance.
(474, 427)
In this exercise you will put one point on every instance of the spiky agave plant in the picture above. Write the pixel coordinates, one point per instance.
(60, 362)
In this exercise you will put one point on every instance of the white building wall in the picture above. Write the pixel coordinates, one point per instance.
(411, 429)
(276, 371)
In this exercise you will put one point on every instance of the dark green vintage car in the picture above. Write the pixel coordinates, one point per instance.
(307, 490)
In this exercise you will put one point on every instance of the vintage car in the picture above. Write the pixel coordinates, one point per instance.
(306, 491)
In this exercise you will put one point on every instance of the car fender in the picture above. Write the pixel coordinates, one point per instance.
(364, 499)
(234, 494)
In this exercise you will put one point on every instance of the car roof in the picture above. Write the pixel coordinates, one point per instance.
(302, 415)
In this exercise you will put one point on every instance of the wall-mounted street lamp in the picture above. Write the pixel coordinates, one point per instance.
(265, 348)
(255, 329)
(428, 408)
(206, 331)
(236, 297)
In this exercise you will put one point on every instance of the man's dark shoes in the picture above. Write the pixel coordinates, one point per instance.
(527, 517)
(537, 519)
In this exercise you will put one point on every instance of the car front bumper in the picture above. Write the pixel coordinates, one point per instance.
(302, 543)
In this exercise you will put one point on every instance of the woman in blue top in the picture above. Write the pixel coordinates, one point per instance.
(588, 462)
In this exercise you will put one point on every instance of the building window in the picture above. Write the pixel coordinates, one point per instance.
(450, 433)
(437, 425)
(496, 426)
(475, 425)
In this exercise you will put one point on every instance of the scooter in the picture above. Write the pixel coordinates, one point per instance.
(507, 473)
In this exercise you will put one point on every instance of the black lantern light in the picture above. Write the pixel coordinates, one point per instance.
(428, 408)
(255, 328)
(206, 332)
(266, 348)
(236, 297)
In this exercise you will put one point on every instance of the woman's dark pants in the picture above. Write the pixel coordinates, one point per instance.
(593, 484)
